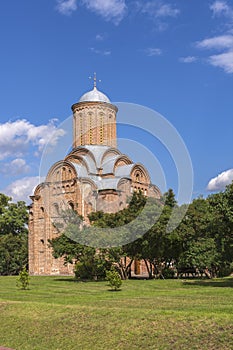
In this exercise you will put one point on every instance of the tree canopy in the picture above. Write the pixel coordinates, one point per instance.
(13, 236)
(203, 239)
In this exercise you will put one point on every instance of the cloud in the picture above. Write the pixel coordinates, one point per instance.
(17, 166)
(223, 43)
(116, 10)
(110, 10)
(99, 37)
(217, 42)
(15, 137)
(153, 51)
(224, 61)
(221, 8)
(219, 182)
(20, 190)
(188, 59)
(66, 7)
(101, 52)
(157, 9)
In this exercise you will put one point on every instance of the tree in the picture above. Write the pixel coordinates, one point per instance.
(23, 280)
(158, 247)
(202, 255)
(221, 209)
(114, 279)
(13, 236)
(76, 238)
(13, 254)
(13, 216)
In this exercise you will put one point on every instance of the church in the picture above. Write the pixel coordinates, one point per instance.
(94, 176)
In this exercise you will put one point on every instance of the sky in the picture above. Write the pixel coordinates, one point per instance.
(173, 57)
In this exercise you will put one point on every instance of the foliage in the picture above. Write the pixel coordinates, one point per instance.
(168, 273)
(23, 280)
(92, 265)
(13, 236)
(196, 236)
(13, 216)
(114, 279)
(221, 208)
(89, 262)
(13, 254)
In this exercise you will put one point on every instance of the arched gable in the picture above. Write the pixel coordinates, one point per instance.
(38, 189)
(111, 164)
(139, 174)
(110, 152)
(79, 161)
(61, 171)
(121, 161)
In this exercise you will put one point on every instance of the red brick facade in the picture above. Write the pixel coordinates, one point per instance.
(94, 176)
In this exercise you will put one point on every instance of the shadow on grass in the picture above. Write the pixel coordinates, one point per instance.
(75, 280)
(66, 279)
(114, 290)
(220, 282)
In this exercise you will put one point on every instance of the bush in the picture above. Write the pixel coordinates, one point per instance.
(91, 266)
(225, 270)
(23, 280)
(114, 279)
(168, 273)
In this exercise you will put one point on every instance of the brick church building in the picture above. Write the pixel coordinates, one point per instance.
(94, 176)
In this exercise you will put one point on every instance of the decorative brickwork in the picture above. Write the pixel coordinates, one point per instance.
(94, 176)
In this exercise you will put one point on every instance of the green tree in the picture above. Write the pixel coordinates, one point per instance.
(159, 246)
(13, 216)
(23, 280)
(114, 279)
(221, 209)
(201, 254)
(73, 243)
(13, 236)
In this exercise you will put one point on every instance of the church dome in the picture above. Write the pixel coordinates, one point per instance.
(94, 96)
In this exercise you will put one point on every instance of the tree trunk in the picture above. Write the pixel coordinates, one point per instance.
(149, 269)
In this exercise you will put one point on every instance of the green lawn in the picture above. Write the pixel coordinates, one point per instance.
(58, 313)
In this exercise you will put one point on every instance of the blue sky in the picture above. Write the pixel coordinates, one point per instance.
(175, 57)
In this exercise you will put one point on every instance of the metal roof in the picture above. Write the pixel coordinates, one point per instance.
(94, 96)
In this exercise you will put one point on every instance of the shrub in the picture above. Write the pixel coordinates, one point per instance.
(168, 273)
(114, 279)
(23, 280)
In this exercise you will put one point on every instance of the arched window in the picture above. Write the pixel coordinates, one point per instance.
(71, 205)
(137, 177)
(55, 209)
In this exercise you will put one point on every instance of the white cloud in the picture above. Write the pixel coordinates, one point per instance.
(110, 10)
(221, 8)
(224, 61)
(101, 52)
(219, 182)
(99, 37)
(217, 42)
(157, 8)
(20, 190)
(153, 51)
(15, 167)
(66, 7)
(222, 43)
(15, 137)
(188, 59)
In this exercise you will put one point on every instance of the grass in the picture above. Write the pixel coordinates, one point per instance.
(60, 314)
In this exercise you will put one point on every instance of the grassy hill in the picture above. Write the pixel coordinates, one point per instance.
(57, 313)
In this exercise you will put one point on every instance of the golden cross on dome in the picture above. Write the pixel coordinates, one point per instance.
(95, 80)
